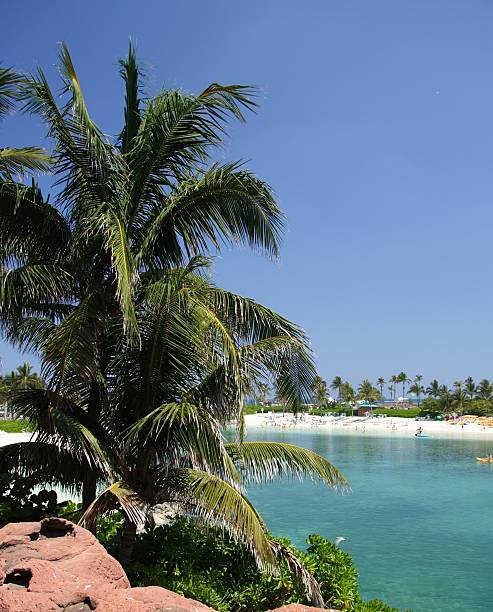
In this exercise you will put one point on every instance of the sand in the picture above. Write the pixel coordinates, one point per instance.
(367, 425)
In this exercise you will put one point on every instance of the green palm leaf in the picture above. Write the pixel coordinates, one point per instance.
(118, 495)
(265, 461)
(217, 501)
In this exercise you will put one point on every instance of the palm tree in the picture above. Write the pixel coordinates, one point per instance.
(394, 380)
(347, 394)
(470, 387)
(159, 435)
(417, 390)
(336, 385)
(403, 379)
(484, 389)
(132, 207)
(433, 389)
(445, 397)
(144, 359)
(459, 399)
(367, 392)
(319, 391)
(391, 390)
(262, 393)
(381, 383)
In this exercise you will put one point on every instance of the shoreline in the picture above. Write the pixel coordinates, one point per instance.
(366, 425)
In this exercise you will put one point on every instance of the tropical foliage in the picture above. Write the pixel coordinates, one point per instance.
(145, 359)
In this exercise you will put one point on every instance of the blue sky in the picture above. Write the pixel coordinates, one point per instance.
(375, 131)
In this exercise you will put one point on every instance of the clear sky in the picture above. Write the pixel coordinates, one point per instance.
(375, 131)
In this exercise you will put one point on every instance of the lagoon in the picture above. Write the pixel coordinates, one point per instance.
(418, 520)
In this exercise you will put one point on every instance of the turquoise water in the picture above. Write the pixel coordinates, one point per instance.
(418, 521)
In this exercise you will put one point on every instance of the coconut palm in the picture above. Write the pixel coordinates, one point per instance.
(127, 209)
(403, 379)
(459, 399)
(262, 392)
(417, 389)
(394, 380)
(319, 391)
(144, 359)
(158, 438)
(381, 383)
(445, 397)
(347, 394)
(336, 385)
(433, 389)
(470, 387)
(367, 392)
(484, 389)
(391, 391)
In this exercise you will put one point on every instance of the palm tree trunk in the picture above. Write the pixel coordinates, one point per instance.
(88, 491)
(127, 542)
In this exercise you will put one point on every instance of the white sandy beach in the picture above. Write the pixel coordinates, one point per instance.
(367, 425)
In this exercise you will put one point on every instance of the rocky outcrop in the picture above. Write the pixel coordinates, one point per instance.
(57, 566)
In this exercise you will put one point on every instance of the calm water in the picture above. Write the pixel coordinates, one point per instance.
(418, 521)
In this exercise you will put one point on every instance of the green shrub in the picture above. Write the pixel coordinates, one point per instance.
(209, 566)
(14, 426)
(479, 407)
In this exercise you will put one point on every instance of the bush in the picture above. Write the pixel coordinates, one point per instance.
(17, 426)
(209, 566)
(479, 407)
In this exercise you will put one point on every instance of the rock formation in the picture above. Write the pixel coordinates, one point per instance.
(57, 566)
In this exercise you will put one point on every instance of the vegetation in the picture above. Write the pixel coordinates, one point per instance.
(13, 426)
(144, 358)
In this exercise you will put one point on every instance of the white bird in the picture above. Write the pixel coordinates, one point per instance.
(338, 540)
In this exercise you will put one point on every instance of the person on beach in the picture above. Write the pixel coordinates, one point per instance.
(419, 431)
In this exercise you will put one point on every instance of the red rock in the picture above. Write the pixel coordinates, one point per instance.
(57, 566)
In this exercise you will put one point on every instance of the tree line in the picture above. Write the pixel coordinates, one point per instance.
(462, 395)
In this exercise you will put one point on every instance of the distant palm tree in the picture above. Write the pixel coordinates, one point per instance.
(319, 391)
(347, 394)
(433, 389)
(458, 385)
(445, 397)
(381, 383)
(403, 379)
(459, 399)
(417, 390)
(394, 381)
(262, 393)
(470, 387)
(484, 389)
(391, 391)
(336, 384)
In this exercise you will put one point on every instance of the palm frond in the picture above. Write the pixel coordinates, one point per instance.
(266, 461)
(131, 74)
(10, 83)
(298, 569)
(226, 204)
(20, 161)
(47, 463)
(179, 431)
(117, 496)
(217, 501)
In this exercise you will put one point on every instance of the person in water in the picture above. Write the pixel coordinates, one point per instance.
(419, 431)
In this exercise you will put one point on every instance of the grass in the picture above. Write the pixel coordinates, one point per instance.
(13, 426)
